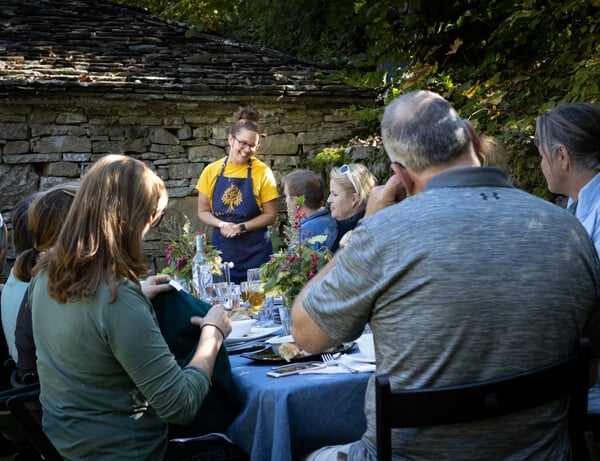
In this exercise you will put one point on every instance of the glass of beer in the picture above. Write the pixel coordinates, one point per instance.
(253, 294)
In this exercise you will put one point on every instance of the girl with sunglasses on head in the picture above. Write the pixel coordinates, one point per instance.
(349, 189)
(238, 197)
(109, 383)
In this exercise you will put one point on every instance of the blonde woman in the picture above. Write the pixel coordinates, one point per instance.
(109, 383)
(349, 189)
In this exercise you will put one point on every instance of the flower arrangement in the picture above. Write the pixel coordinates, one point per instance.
(180, 252)
(291, 267)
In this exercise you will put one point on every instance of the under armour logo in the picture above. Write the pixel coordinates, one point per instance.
(494, 195)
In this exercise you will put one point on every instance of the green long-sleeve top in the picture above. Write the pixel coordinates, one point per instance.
(109, 383)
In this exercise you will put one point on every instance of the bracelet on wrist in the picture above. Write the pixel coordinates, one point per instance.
(213, 325)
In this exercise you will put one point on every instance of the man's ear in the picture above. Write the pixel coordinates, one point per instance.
(402, 172)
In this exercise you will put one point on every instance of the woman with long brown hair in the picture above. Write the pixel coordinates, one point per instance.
(108, 381)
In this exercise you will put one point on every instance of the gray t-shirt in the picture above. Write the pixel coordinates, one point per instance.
(469, 280)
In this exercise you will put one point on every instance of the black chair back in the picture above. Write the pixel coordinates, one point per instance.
(487, 399)
(20, 424)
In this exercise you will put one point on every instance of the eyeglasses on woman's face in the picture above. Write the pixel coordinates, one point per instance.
(345, 170)
(246, 145)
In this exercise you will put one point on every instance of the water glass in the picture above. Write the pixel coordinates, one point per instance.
(202, 280)
(235, 295)
(220, 273)
(229, 295)
(285, 312)
(222, 289)
(253, 275)
(265, 314)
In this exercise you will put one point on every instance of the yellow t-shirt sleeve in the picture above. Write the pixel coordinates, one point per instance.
(265, 186)
(208, 178)
(263, 180)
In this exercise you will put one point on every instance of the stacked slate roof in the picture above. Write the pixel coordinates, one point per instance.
(62, 44)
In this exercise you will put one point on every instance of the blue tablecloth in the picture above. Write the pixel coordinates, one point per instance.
(285, 418)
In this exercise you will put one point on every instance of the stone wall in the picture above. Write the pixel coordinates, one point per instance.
(51, 138)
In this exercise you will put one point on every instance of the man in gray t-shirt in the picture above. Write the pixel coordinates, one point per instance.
(461, 277)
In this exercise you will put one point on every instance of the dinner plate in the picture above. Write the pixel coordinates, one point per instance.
(254, 333)
(360, 357)
(268, 355)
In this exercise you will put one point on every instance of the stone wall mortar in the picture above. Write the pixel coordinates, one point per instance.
(51, 138)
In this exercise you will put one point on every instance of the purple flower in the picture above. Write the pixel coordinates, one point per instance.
(181, 263)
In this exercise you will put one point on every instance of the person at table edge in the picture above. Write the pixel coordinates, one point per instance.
(463, 280)
(316, 221)
(238, 197)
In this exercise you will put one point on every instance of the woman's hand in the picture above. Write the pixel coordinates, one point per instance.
(215, 326)
(217, 316)
(230, 229)
(156, 284)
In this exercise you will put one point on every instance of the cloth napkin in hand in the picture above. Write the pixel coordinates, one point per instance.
(361, 367)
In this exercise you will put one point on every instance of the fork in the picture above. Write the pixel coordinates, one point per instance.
(329, 361)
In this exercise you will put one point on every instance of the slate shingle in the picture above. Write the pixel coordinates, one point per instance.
(58, 44)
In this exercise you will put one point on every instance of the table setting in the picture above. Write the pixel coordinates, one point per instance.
(282, 417)
(285, 417)
(266, 345)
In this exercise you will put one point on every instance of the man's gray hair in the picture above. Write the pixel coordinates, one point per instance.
(421, 129)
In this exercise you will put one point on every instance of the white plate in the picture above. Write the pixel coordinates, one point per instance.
(254, 333)
(361, 358)
(280, 339)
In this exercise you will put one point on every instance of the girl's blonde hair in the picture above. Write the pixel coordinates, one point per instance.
(101, 239)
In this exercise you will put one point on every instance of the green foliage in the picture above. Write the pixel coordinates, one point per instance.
(291, 267)
(326, 159)
(500, 62)
(208, 15)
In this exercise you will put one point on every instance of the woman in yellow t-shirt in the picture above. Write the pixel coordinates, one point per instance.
(238, 197)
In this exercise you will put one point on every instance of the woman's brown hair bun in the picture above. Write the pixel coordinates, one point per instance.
(247, 113)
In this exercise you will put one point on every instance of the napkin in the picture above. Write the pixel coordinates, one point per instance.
(361, 367)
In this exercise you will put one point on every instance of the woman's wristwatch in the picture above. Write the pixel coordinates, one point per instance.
(242, 228)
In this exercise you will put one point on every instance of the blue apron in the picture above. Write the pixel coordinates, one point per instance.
(233, 201)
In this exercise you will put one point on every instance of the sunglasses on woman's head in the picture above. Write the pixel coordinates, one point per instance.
(345, 169)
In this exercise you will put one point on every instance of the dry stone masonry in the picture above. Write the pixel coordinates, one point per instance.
(81, 79)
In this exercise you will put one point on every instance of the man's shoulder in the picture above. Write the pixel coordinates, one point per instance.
(321, 215)
(320, 220)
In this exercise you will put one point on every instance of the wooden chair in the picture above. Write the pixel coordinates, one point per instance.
(488, 399)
